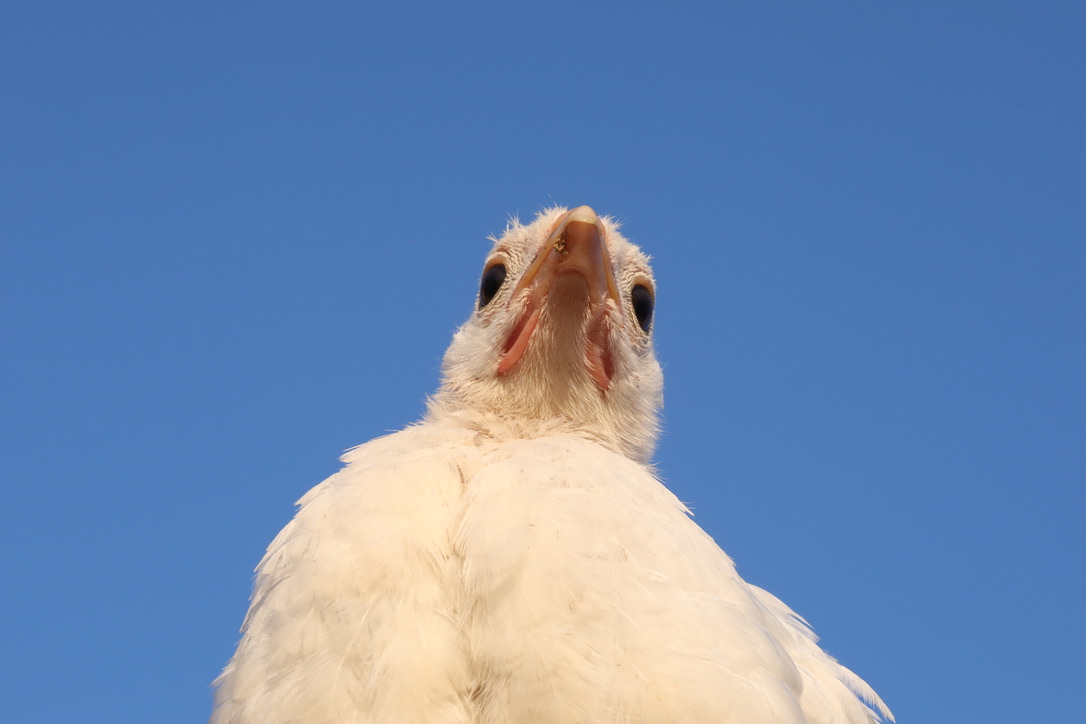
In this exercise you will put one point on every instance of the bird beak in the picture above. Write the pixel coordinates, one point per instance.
(577, 244)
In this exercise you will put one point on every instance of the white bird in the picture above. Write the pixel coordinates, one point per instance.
(512, 558)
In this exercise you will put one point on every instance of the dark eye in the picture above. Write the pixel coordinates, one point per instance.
(493, 278)
(642, 301)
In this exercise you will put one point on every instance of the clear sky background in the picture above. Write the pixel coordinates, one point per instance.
(235, 239)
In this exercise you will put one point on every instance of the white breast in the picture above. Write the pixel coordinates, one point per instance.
(443, 576)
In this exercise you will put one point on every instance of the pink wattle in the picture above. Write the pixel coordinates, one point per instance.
(518, 340)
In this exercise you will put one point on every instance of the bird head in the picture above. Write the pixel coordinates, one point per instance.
(561, 335)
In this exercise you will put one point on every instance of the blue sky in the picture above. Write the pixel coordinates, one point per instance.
(235, 239)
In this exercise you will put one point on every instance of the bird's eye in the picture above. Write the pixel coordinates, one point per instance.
(493, 278)
(642, 300)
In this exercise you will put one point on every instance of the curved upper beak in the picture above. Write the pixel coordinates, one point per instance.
(577, 244)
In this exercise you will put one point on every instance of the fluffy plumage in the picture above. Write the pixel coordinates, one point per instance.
(511, 558)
